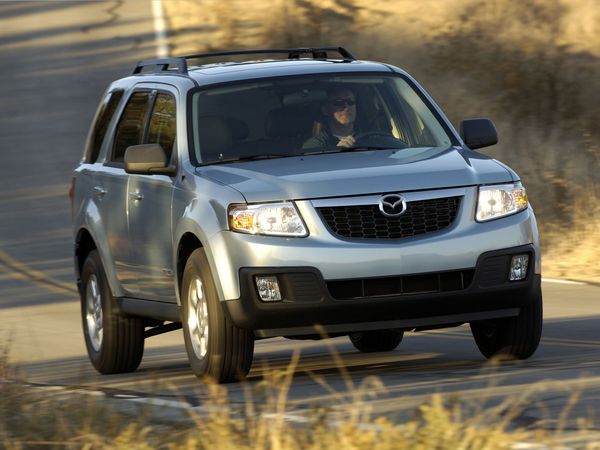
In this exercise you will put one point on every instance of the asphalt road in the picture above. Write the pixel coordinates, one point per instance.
(57, 58)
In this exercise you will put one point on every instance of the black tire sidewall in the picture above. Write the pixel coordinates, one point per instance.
(230, 349)
(514, 337)
(122, 344)
(93, 266)
(197, 266)
(376, 340)
(492, 337)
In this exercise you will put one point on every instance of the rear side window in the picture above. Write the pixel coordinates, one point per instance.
(163, 123)
(131, 126)
(105, 113)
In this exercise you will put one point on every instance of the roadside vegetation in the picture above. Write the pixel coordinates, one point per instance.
(32, 417)
(533, 67)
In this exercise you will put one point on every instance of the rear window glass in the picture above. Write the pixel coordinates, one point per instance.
(103, 118)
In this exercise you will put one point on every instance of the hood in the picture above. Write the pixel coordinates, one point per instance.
(357, 173)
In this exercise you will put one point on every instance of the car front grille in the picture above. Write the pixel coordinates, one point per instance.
(456, 280)
(367, 222)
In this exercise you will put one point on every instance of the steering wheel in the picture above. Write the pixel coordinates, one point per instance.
(377, 138)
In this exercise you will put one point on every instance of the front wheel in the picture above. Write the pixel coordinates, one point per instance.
(216, 348)
(376, 341)
(115, 343)
(514, 337)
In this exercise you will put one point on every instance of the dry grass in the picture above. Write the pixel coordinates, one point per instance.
(32, 419)
(572, 250)
(532, 66)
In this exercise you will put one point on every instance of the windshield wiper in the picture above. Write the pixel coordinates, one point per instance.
(358, 148)
(248, 158)
(288, 155)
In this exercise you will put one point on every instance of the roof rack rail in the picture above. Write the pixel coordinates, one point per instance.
(293, 53)
(164, 64)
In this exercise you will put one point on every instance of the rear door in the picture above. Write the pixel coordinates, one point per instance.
(149, 206)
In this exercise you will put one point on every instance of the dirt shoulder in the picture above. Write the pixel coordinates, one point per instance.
(573, 254)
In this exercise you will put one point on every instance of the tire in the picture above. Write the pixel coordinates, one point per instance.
(216, 348)
(514, 337)
(115, 343)
(376, 341)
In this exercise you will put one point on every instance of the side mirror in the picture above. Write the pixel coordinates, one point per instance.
(147, 159)
(477, 133)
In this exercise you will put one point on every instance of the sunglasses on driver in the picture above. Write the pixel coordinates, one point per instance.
(338, 103)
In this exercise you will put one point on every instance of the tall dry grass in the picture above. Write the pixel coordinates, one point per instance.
(34, 418)
(53, 418)
(513, 62)
(531, 66)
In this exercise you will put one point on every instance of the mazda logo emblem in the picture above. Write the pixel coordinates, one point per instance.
(392, 205)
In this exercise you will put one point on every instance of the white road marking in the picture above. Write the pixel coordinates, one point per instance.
(160, 29)
(558, 281)
(288, 417)
(530, 446)
(160, 402)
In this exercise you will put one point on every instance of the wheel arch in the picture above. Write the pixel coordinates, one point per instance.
(84, 244)
(186, 246)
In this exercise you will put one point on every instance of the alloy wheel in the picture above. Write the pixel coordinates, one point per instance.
(198, 318)
(93, 313)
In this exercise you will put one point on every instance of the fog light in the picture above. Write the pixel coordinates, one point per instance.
(268, 289)
(518, 267)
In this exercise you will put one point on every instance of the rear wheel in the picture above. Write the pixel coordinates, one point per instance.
(115, 343)
(514, 337)
(376, 341)
(216, 348)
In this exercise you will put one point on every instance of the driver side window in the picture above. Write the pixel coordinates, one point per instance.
(131, 126)
(163, 123)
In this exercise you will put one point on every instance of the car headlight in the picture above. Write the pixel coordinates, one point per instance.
(500, 200)
(277, 219)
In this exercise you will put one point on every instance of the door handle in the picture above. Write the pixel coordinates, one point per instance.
(136, 196)
(99, 191)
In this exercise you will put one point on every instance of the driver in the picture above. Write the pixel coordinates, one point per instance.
(340, 113)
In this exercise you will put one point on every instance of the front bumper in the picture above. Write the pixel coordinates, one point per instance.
(309, 300)
(454, 248)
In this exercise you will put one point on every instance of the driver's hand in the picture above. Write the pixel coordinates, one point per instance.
(348, 141)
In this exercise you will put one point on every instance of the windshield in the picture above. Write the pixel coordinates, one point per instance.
(310, 115)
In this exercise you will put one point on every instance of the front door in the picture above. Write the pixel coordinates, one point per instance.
(149, 209)
(111, 189)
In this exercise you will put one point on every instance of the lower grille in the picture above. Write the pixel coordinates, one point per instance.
(367, 222)
(494, 270)
(401, 285)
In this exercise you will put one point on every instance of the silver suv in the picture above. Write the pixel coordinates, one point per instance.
(298, 195)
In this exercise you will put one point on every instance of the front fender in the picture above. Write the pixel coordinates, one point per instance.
(204, 216)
